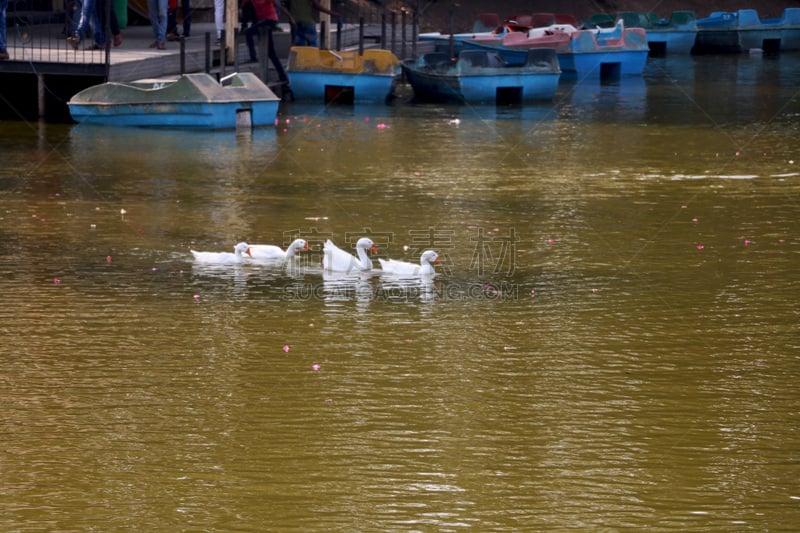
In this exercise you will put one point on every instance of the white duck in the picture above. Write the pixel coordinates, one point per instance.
(223, 258)
(270, 251)
(335, 259)
(402, 268)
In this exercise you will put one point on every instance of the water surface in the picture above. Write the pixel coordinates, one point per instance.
(611, 341)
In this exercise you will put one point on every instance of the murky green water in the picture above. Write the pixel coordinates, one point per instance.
(612, 340)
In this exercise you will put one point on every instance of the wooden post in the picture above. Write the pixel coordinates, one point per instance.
(361, 36)
(183, 56)
(42, 91)
(324, 18)
(231, 23)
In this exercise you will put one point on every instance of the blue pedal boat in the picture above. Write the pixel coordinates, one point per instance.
(675, 35)
(346, 76)
(742, 30)
(484, 76)
(193, 101)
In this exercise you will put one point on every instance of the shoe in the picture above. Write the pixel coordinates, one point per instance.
(173, 37)
(96, 46)
(4, 55)
(118, 39)
(74, 41)
(161, 45)
(154, 44)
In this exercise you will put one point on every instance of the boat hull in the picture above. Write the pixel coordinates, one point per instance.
(177, 115)
(325, 87)
(345, 76)
(743, 30)
(194, 101)
(482, 77)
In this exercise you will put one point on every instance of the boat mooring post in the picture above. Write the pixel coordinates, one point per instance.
(41, 95)
(452, 38)
(183, 55)
(361, 36)
(403, 34)
(339, 26)
(208, 52)
(414, 23)
(222, 59)
(323, 45)
(394, 32)
(383, 30)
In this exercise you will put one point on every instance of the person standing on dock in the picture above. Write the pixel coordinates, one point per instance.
(267, 13)
(172, 20)
(157, 11)
(3, 51)
(93, 15)
(305, 27)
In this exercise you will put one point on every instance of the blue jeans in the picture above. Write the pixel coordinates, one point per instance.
(3, 6)
(305, 34)
(157, 11)
(89, 18)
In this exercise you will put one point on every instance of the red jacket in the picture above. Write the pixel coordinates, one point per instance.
(265, 9)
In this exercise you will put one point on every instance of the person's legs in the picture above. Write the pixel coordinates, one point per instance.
(305, 35)
(3, 51)
(219, 17)
(99, 24)
(157, 11)
(250, 35)
(186, 7)
(87, 12)
(273, 55)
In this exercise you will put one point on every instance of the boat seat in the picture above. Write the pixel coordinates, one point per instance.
(633, 19)
(474, 58)
(486, 22)
(521, 20)
(566, 18)
(601, 20)
(542, 20)
(434, 59)
(682, 18)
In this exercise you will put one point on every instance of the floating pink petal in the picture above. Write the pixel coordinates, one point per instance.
(314, 367)
(700, 246)
(285, 347)
(56, 281)
(381, 126)
(747, 242)
(196, 296)
(108, 259)
(550, 241)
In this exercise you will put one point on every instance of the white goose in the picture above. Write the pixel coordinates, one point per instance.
(223, 258)
(402, 268)
(335, 259)
(270, 251)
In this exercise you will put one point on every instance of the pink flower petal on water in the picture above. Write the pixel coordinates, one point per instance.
(285, 347)
(315, 367)
(56, 281)
(700, 246)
